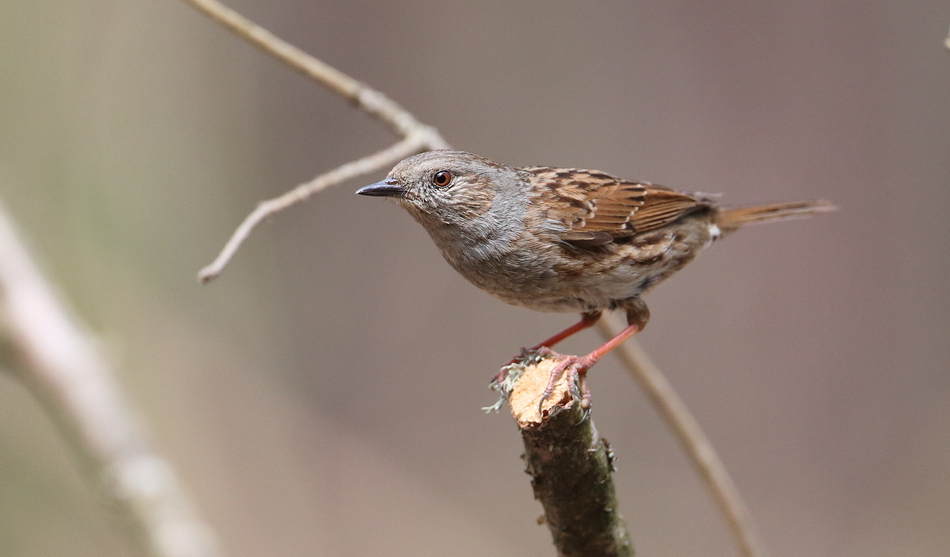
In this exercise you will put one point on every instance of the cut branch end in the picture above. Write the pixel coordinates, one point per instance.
(570, 465)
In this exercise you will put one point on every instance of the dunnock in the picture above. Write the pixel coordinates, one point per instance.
(563, 239)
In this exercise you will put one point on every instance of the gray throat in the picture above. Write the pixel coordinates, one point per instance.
(484, 239)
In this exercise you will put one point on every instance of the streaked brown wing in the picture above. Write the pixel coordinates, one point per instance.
(662, 207)
(596, 208)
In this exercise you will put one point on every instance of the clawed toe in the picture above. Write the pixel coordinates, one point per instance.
(576, 369)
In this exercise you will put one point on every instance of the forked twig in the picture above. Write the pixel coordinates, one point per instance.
(386, 157)
(416, 136)
(694, 442)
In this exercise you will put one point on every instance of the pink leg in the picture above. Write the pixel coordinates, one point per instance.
(587, 321)
(577, 366)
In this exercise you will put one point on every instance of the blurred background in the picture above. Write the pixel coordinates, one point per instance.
(324, 396)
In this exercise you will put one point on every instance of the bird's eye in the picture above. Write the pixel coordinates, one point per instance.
(442, 178)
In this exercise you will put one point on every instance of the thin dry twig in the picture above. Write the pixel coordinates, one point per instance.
(56, 359)
(417, 136)
(697, 446)
(265, 209)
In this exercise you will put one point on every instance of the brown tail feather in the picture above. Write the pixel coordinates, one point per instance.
(731, 219)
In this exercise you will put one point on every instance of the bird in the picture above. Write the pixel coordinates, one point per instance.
(564, 239)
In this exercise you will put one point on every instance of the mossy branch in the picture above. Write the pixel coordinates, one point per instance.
(570, 464)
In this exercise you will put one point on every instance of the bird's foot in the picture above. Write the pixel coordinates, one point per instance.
(575, 368)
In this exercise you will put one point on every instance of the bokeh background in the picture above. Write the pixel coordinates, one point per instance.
(323, 397)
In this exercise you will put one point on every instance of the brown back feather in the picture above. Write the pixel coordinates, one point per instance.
(596, 208)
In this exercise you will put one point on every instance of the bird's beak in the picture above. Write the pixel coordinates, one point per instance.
(385, 188)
